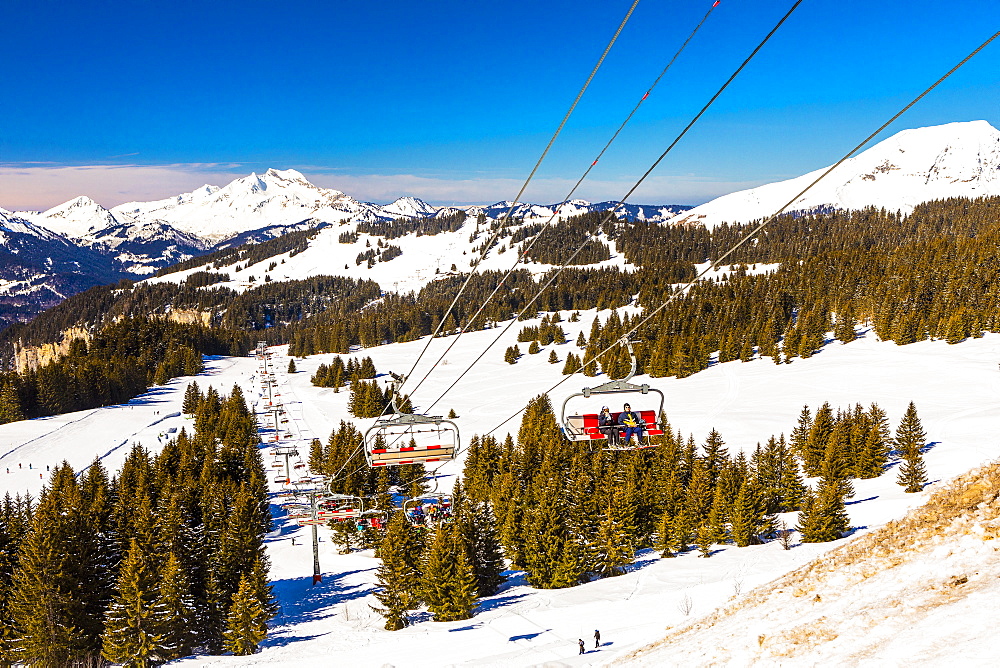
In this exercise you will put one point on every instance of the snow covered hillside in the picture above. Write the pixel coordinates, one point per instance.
(955, 387)
(138, 238)
(912, 166)
(910, 592)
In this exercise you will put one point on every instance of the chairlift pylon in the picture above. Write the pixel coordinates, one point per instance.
(586, 427)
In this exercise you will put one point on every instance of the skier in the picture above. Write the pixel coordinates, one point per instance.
(633, 424)
(583, 650)
(597, 639)
(607, 425)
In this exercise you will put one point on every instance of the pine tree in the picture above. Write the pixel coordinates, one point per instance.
(823, 517)
(398, 576)
(553, 358)
(291, 366)
(175, 612)
(910, 438)
(534, 348)
(10, 404)
(131, 634)
(612, 546)
(448, 583)
(246, 624)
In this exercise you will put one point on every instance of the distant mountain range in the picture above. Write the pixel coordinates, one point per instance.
(49, 255)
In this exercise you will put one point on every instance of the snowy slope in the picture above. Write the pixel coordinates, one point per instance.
(912, 166)
(521, 626)
(909, 593)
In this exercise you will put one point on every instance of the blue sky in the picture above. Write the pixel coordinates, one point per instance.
(453, 101)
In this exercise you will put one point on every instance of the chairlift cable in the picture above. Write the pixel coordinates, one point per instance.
(513, 205)
(566, 199)
(554, 275)
(524, 186)
(715, 264)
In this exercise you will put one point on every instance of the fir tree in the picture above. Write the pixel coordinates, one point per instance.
(398, 576)
(10, 404)
(448, 583)
(175, 612)
(823, 517)
(910, 438)
(59, 594)
(246, 624)
(131, 634)
(819, 436)
(746, 516)
(553, 358)
(612, 546)
(534, 348)
(291, 366)
(705, 539)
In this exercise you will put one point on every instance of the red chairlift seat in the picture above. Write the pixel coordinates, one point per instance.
(388, 441)
(585, 426)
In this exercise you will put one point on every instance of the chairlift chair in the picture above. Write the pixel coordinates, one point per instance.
(413, 509)
(340, 507)
(407, 438)
(585, 426)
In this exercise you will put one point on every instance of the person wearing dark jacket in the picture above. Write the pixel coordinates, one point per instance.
(607, 425)
(633, 425)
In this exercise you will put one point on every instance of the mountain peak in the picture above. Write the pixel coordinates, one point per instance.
(285, 175)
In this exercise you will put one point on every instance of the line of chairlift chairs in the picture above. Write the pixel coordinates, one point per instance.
(406, 438)
(403, 438)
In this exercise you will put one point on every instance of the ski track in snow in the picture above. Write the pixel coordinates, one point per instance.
(956, 389)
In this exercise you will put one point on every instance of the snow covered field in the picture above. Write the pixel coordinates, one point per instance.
(956, 390)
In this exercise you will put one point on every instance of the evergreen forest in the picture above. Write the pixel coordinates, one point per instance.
(159, 560)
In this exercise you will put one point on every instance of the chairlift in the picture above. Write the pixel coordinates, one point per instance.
(584, 426)
(407, 438)
(340, 507)
(428, 510)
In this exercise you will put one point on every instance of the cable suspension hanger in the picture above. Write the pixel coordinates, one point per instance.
(715, 264)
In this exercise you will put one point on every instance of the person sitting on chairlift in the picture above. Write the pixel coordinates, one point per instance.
(607, 426)
(633, 425)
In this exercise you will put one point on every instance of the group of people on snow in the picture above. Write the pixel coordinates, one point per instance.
(628, 424)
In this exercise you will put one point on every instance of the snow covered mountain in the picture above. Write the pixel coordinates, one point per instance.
(912, 166)
(76, 218)
(39, 268)
(138, 238)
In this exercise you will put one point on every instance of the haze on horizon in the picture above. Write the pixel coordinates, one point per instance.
(453, 102)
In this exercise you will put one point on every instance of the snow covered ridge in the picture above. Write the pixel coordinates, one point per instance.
(912, 166)
(278, 198)
(913, 590)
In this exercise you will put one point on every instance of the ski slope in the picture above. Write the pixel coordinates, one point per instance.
(956, 389)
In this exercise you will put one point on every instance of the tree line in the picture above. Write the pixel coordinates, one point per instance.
(161, 560)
